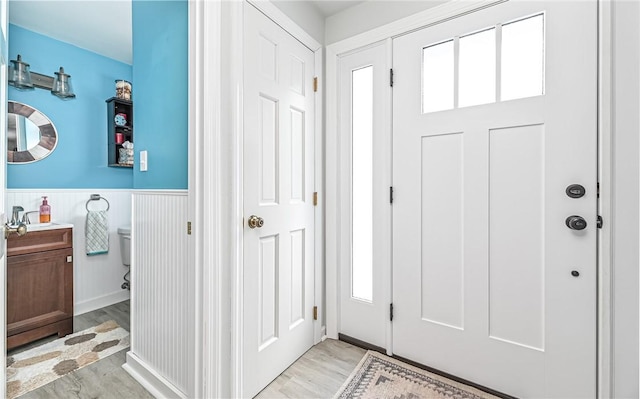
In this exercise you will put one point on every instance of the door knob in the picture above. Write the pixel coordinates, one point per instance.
(575, 222)
(255, 221)
(20, 229)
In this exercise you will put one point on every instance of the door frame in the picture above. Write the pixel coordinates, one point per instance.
(4, 53)
(218, 182)
(335, 176)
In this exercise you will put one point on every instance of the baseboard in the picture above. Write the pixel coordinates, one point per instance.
(157, 386)
(361, 344)
(100, 302)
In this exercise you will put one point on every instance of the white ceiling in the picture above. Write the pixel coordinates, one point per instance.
(101, 26)
(331, 7)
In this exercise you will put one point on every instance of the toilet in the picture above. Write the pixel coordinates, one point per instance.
(124, 234)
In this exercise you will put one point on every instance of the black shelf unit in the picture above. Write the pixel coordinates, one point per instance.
(117, 106)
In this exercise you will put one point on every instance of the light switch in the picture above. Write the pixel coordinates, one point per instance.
(143, 161)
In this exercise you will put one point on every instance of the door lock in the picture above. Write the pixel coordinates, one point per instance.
(255, 221)
(576, 191)
(575, 222)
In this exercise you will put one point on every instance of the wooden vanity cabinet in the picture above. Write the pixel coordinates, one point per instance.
(39, 285)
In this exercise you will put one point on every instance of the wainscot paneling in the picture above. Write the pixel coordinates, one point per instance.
(162, 297)
(98, 278)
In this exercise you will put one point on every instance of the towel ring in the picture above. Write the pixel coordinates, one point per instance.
(96, 197)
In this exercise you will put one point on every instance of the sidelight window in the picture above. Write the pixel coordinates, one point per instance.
(362, 192)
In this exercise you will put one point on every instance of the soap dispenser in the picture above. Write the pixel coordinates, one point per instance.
(45, 211)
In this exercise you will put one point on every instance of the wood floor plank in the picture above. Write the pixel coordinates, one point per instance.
(104, 379)
(319, 373)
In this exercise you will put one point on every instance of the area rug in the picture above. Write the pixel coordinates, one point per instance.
(38, 366)
(379, 376)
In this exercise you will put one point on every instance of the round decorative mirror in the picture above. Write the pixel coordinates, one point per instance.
(31, 136)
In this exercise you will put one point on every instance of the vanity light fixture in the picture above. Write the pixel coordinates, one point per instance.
(19, 74)
(62, 85)
(22, 78)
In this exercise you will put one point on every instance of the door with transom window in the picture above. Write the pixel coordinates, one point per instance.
(494, 213)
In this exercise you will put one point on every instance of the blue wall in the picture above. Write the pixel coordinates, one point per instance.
(80, 159)
(160, 93)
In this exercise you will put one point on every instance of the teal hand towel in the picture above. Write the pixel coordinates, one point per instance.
(97, 233)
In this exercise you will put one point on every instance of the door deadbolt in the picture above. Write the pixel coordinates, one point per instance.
(576, 191)
(255, 221)
(575, 222)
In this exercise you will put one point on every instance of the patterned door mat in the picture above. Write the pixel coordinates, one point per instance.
(38, 366)
(379, 376)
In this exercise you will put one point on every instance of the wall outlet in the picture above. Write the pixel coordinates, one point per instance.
(143, 161)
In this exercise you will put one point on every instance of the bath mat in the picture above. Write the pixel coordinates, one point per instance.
(379, 376)
(38, 366)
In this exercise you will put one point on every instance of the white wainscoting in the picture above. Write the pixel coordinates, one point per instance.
(97, 279)
(163, 295)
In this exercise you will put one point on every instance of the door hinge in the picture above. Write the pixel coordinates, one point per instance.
(391, 195)
(188, 228)
(391, 311)
(598, 190)
(315, 84)
(315, 313)
(315, 198)
(391, 77)
(599, 222)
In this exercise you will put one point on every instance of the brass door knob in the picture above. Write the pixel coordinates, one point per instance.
(255, 221)
(20, 229)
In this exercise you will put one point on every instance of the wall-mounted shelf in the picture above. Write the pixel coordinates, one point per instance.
(119, 130)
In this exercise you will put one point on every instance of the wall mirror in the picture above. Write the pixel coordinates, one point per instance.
(31, 136)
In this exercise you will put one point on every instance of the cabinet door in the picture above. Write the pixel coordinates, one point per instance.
(39, 289)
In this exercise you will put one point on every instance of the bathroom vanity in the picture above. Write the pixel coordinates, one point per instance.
(39, 283)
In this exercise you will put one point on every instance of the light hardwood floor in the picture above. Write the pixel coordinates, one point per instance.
(319, 373)
(104, 379)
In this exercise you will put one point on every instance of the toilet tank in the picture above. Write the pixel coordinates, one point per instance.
(124, 234)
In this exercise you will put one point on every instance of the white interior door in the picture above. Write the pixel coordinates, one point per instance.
(278, 189)
(365, 131)
(494, 118)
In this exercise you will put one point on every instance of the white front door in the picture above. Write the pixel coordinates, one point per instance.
(494, 118)
(278, 191)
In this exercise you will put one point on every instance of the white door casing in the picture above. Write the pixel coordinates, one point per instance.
(483, 261)
(364, 319)
(278, 185)
(4, 61)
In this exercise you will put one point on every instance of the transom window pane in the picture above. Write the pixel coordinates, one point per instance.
(437, 77)
(523, 58)
(477, 68)
(362, 183)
